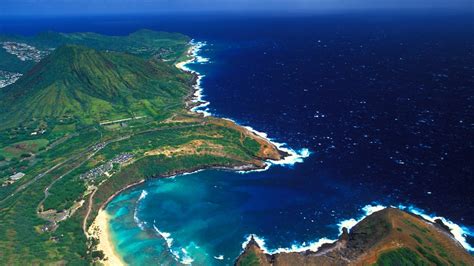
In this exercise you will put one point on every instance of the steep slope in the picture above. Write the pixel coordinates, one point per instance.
(387, 237)
(92, 86)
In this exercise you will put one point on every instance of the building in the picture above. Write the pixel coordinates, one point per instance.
(17, 176)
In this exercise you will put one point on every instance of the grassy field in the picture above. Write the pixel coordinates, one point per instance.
(16, 150)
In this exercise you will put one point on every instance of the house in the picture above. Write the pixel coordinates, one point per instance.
(17, 176)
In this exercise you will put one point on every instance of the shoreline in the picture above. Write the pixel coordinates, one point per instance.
(102, 207)
(194, 102)
(99, 229)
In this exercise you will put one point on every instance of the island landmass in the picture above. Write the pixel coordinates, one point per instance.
(85, 116)
(89, 116)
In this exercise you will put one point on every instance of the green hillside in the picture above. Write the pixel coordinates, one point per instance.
(91, 86)
(61, 127)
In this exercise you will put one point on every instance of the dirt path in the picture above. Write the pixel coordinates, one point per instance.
(89, 208)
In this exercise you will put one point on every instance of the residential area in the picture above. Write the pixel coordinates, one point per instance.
(24, 52)
(106, 168)
(8, 78)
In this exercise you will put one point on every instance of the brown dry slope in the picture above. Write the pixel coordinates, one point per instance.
(387, 237)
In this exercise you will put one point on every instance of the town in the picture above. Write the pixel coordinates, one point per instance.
(24, 52)
(8, 78)
(104, 169)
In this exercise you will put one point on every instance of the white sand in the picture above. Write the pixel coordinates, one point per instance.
(100, 230)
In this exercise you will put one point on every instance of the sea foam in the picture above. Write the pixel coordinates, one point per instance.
(368, 210)
(294, 156)
(142, 195)
(198, 96)
(220, 257)
(459, 232)
(137, 220)
(313, 246)
(180, 254)
(166, 236)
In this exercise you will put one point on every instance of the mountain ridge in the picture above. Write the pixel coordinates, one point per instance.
(92, 85)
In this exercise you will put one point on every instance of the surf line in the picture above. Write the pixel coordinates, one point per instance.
(459, 232)
(293, 157)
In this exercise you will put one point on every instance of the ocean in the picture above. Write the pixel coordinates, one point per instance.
(383, 102)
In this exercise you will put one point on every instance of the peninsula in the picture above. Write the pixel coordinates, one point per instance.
(386, 237)
(89, 116)
(84, 116)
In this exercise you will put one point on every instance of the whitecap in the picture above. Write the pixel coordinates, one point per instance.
(140, 223)
(142, 195)
(459, 232)
(293, 156)
(137, 220)
(166, 236)
(219, 257)
(313, 246)
(180, 254)
(202, 60)
(198, 90)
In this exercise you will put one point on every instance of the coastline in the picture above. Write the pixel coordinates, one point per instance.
(120, 191)
(100, 230)
(194, 102)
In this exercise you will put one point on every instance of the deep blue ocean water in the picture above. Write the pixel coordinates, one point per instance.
(384, 101)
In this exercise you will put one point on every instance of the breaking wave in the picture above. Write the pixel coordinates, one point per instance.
(181, 254)
(198, 96)
(137, 220)
(459, 232)
(294, 156)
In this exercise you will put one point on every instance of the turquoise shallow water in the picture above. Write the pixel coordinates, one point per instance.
(205, 217)
(136, 245)
(386, 111)
(384, 101)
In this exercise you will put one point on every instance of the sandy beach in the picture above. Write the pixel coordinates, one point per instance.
(100, 230)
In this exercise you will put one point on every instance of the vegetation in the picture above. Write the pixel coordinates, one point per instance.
(58, 127)
(399, 257)
(390, 237)
(250, 259)
(143, 43)
(93, 86)
(57, 124)
(19, 149)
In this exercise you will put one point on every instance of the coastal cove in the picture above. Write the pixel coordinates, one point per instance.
(166, 140)
(101, 227)
(157, 214)
(224, 139)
